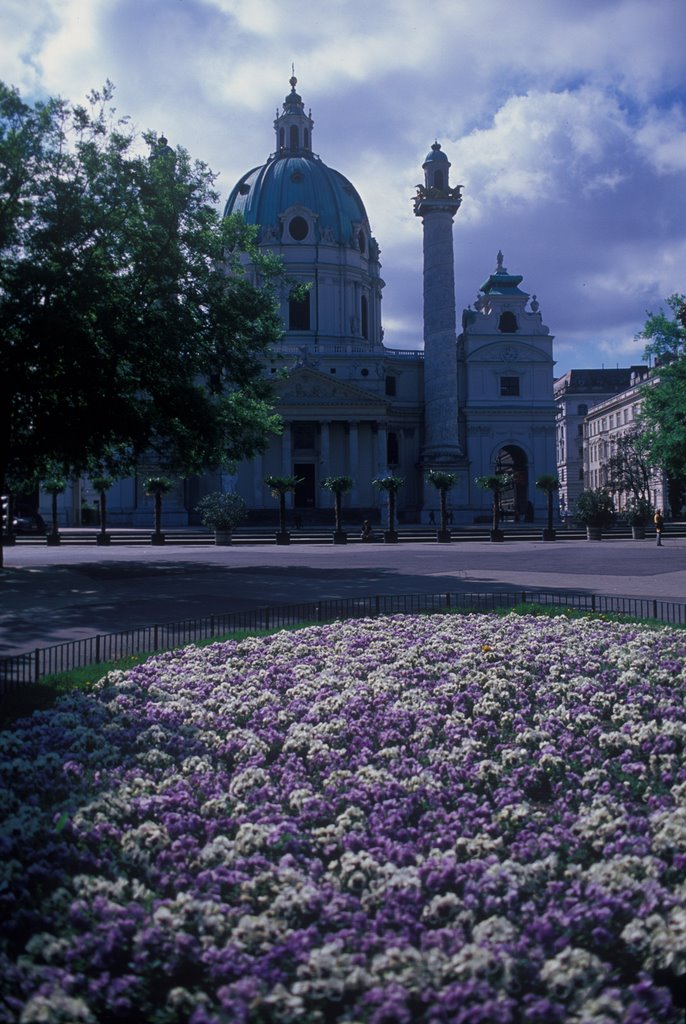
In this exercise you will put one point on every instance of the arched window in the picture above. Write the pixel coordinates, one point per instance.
(294, 136)
(507, 323)
(438, 179)
(307, 139)
(364, 317)
(282, 138)
(299, 313)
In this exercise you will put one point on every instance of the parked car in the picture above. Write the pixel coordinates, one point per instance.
(24, 519)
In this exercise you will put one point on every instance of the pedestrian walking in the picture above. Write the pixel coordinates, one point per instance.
(659, 523)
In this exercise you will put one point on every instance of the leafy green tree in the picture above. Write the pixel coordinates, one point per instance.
(126, 320)
(663, 406)
(665, 335)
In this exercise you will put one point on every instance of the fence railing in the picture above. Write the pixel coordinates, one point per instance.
(34, 665)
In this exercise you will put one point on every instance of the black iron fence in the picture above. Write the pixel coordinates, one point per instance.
(46, 661)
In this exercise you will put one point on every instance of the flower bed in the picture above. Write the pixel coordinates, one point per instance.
(436, 819)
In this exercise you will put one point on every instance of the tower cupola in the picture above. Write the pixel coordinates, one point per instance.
(293, 126)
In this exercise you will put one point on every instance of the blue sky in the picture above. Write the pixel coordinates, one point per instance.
(565, 120)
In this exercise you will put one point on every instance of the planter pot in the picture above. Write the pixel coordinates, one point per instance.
(102, 538)
(497, 536)
(9, 540)
(340, 537)
(53, 539)
(638, 532)
(390, 537)
(594, 533)
(222, 537)
(443, 536)
(283, 537)
(157, 538)
(548, 535)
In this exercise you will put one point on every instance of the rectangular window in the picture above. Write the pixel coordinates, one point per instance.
(390, 386)
(509, 387)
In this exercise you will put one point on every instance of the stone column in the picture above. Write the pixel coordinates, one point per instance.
(325, 461)
(354, 461)
(287, 459)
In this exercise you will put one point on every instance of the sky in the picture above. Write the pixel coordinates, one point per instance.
(564, 120)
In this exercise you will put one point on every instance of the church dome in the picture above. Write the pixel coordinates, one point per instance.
(302, 182)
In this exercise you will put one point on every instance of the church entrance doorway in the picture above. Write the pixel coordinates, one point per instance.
(515, 500)
(303, 496)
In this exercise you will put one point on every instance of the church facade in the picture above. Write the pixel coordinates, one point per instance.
(468, 403)
(473, 398)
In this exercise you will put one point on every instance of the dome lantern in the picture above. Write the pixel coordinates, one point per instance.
(293, 126)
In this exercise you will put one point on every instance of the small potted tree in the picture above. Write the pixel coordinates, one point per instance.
(54, 485)
(496, 483)
(638, 513)
(102, 485)
(338, 485)
(596, 511)
(157, 486)
(280, 487)
(442, 481)
(391, 485)
(222, 513)
(549, 484)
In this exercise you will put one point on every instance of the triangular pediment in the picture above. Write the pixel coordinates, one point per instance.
(305, 386)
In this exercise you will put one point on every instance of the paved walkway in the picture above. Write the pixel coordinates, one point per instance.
(50, 595)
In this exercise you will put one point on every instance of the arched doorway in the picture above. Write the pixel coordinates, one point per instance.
(515, 502)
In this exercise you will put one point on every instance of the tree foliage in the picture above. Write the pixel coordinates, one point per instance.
(665, 335)
(126, 322)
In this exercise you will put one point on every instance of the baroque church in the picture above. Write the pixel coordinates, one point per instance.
(471, 402)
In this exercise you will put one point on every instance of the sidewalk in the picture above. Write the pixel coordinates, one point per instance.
(51, 595)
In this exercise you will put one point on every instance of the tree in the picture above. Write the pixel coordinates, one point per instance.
(391, 485)
(102, 484)
(630, 468)
(338, 485)
(663, 418)
(156, 487)
(663, 407)
(280, 487)
(54, 485)
(125, 316)
(443, 482)
(595, 508)
(496, 483)
(549, 484)
(665, 335)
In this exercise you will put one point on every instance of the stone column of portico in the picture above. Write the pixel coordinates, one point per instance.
(257, 480)
(287, 459)
(354, 461)
(324, 461)
(381, 449)
(437, 203)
